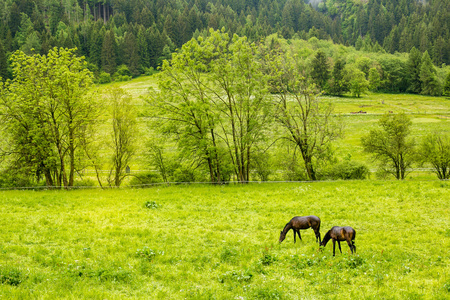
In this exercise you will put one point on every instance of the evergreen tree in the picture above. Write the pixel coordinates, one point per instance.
(338, 85)
(109, 52)
(95, 49)
(143, 48)
(430, 83)
(319, 72)
(3, 63)
(130, 51)
(438, 51)
(14, 19)
(413, 67)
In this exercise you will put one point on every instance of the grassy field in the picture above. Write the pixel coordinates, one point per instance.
(427, 113)
(221, 242)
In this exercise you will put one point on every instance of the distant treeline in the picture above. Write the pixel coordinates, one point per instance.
(139, 34)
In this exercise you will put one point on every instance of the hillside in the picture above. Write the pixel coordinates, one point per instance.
(140, 34)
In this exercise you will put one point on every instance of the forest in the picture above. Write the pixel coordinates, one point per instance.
(235, 85)
(141, 34)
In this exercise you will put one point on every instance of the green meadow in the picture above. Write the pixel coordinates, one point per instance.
(221, 242)
(428, 114)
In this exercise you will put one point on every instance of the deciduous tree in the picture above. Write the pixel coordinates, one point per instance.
(45, 125)
(391, 144)
(435, 150)
(123, 133)
(309, 122)
(428, 77)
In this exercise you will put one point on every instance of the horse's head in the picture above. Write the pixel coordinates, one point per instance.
(282, 236)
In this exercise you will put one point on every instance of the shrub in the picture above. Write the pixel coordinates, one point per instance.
(184, 174)
(150, 71)
(104, 78)
(145, 178)
(347, 170)
(9, 179)
(85, 183)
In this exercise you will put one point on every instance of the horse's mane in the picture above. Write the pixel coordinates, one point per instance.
(287, 227)
(326, 238)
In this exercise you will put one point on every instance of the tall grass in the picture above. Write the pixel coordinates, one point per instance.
(221, 242)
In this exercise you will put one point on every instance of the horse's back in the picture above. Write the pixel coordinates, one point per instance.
(350, 231)
(305, 222)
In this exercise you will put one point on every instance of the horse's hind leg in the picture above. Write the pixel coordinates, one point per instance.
(351, 245)
(339, 243)
(354, 247)
(299, 236)
(317, 232)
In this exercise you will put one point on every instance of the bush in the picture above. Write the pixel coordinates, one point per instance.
(145, 178)
(347, 170)
(104, 78)
(150, 71)
(184, 174)
(85, 183)
(119, 78)
(16, 178)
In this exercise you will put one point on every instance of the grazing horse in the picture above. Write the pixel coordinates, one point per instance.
(340, 234)
(297, 223)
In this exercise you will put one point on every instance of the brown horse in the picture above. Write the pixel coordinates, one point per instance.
(297, 223)
(340, 234)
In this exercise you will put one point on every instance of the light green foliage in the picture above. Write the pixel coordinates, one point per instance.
(212, 95)
(447, 85)
(221, 242)
(124, 134)
(374, 79)
(47, 113)
(104, 78)
(435, 150)
(357, 82)
(391, 144)
(306, 120)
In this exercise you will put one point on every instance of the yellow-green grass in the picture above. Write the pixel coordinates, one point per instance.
(221, 242)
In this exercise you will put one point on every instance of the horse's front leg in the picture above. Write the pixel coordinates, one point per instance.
(334, 247)
(339, 243)
(294, 236)
(299, 236)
